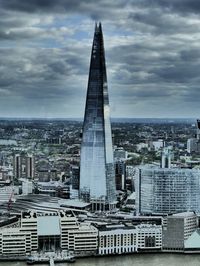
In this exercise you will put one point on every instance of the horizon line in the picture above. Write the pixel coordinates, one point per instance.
(81, 118)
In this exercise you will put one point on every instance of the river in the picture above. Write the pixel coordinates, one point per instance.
(165, 259)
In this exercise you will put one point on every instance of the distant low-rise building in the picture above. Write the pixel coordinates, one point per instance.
(47, 175)
(54, 188)
(6, 175)
(120, 154)
(142, 145)
(8, 142)
(158, 144)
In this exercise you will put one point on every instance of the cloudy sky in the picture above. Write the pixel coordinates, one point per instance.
(152, 53)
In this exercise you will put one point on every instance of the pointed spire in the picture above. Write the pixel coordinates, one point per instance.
(95, 27)
(97, 186)
(98, 27)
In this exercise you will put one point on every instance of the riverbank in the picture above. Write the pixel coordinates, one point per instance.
(66, 257)
(136, 259)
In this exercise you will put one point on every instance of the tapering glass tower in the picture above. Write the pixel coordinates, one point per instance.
(97, 178)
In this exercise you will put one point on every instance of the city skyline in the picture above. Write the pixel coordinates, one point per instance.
(152, 51)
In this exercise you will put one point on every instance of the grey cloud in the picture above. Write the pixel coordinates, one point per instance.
(157, 65)
(191, 55)
(159, 22)
(179, 73)
(179, 5)
(36, 73)
(89, 7)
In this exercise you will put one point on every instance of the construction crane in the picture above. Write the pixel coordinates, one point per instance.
(10, 201)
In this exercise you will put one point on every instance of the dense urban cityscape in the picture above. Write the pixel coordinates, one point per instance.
(157, 182)
(94, 187)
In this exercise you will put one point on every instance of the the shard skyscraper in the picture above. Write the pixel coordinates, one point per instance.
(97, 177)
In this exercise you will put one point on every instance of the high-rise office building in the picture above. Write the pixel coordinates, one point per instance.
(23, 166)
(166, 158)
(167, 191)
(75, 180)
(193, 144)
(198, 129)
(97, 178)
(120, 175)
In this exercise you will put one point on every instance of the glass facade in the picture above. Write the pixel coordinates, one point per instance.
(168, 190)
(97, 179)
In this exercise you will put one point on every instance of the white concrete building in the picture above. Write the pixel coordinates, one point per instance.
(27, 187)
(49, 232)
(149, 237)
(192, 145)
(14, 242)
(117, 239)
(141, 146)
(45, 232)
(158, 144)
(67, 223)
(83, 240)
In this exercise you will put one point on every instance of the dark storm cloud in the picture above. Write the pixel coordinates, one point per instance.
(39, 74)
(89, 7)
(36, 81)
(158, 22)
(179, 73)
(143, 64)
(177, 5)
(169, 6)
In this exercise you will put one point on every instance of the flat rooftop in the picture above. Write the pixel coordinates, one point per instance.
(48, 225)
(183, 214)
(73, 203)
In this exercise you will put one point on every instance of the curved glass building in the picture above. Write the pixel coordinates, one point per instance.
(167, 191)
